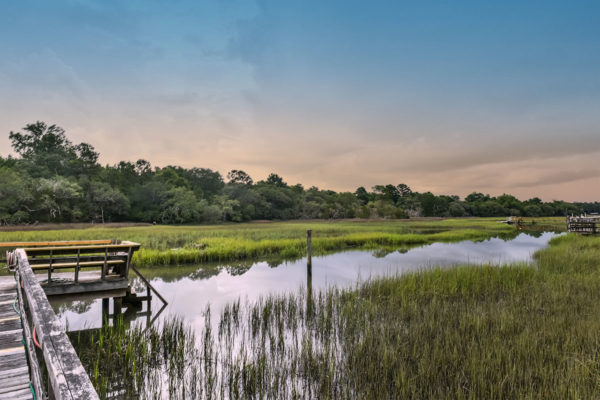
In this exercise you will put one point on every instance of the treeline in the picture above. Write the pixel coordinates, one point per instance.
(54, 180)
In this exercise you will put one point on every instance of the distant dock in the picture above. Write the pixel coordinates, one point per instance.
(585, 225)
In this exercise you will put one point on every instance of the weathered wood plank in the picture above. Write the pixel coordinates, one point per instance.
(74, 264)
(96, 249)
(86, 287)
(68, 378)
(17, 395)
(8, 387)
(15, 372)
(16, 378)
(73, 259)
(7, 283)
(53, 243)
(12, 360)
(34, 365)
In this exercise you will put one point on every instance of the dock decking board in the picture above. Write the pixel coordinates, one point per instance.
(14, 371)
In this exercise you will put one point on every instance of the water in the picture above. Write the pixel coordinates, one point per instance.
(189, 289)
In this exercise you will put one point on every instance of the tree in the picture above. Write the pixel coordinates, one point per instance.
(181, 207)
(57, 196)
(475, 196)
(239, 176)
(143, 168)
(276, 180)
(172, 176)
(427, 201)
(404, 190)
(15, 196)
(205, 182)
(387, 192)
(362, 195)
(46, 148)
(107, 201)
(86, 161)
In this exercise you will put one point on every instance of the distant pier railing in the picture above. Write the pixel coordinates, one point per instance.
(586, 225)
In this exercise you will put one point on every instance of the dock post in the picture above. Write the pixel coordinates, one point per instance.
(309, 304)
(105, 311)
(117, 308)
(309, 248)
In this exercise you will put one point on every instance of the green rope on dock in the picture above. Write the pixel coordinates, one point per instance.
(15, 306)
(32, 391)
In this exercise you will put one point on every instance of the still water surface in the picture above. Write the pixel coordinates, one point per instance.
(189, 289)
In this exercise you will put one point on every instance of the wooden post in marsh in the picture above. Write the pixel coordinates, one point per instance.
(105, 311)
(309, 303)
(309, 248)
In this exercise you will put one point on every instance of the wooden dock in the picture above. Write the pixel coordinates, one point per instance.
(585, 225)
(14, 370)
(37, 359)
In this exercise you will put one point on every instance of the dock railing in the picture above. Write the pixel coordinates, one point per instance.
(55, 369)
(586, 225)
(45, 337)
(110, 257)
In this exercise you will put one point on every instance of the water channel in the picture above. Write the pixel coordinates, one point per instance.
(189, 289)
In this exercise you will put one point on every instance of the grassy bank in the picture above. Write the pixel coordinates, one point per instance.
(164, 245)
(470, 332)
(520, 331)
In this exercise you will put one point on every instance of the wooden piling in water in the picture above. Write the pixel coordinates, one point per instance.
(309, 302)
(309, 248)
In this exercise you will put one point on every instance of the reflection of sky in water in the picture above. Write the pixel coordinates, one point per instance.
(188, 297)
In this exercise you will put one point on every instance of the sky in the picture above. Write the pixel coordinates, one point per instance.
(445, 96)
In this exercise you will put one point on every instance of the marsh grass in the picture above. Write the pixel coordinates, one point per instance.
(137, 363)
(169, 245)
(470, 332)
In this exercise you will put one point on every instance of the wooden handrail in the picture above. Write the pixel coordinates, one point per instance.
(83, 264)
(54, 243)
(34, 365)
(56, 250)
(122, 245)
(67, 376)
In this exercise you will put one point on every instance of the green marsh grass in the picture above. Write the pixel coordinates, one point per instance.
(470, 332)
(169, 245)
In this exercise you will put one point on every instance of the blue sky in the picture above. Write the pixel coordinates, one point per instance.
(444, 96)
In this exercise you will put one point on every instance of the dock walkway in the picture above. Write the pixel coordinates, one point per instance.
(37, 359)
(14, 371)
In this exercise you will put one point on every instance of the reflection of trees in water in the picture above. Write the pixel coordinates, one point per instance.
(170, 274)
(534, 233)
(77, 306)
(238, 269)
(204, 273)
(138, 285)
(381, 253)
(277, 263)
(508, 236)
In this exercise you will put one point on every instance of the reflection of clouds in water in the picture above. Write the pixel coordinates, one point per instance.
(189, 295)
